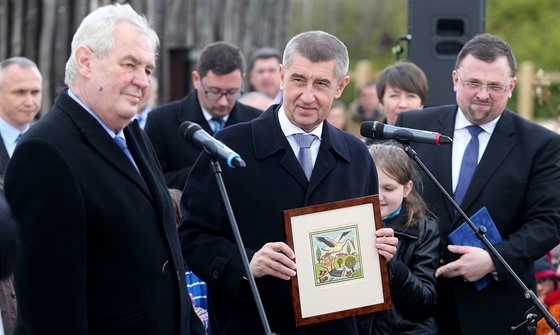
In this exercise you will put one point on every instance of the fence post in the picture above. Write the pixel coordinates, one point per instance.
(525, 101)
(362, 72)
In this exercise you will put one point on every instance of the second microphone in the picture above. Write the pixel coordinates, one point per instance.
(378, 130)
(194, 133)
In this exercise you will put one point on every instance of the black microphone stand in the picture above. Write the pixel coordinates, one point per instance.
(530, 317)
(217, 170)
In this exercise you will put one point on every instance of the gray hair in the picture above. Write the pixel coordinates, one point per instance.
(22, 62)
(318, 46)
(96, 32)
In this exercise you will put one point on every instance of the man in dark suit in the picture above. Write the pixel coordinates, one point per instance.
(314, 73)
(218, 82)
(20, 102)
(99, 250)
(8, 248)
(517, 179)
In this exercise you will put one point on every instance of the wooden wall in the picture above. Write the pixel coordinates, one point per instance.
(42, 31)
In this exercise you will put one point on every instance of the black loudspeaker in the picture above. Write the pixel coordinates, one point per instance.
(438, 30)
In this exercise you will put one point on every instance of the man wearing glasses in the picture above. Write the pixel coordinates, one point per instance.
(218, 82)
(515, 175)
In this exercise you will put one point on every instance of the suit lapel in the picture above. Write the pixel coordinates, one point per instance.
(271, 141)
(443, 155)
(190, 113)
(499, 147)
(331, 141)
(105, 146)
(137, 146)
(100, 141)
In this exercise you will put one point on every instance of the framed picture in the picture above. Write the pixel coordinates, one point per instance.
(339, 271)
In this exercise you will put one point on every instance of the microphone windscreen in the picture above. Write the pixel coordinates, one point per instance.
(187, 129)
(372, 129)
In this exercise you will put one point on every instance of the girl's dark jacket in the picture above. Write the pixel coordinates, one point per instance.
(413, 282)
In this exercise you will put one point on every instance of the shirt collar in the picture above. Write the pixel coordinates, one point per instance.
(208, 116)
(9, 132)
(107, 129)
(290, 129)
(461, 122)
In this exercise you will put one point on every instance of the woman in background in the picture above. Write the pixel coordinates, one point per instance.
(401, 87)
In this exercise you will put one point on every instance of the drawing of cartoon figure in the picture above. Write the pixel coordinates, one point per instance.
(336, 255)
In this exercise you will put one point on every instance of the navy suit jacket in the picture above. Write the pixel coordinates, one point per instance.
(517, 179)
(176, 155)
(100, 252)
(273, 181)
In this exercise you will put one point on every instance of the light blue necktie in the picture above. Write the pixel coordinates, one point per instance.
(217, 124)
(304, 142)
(122, 144)
(468, 164)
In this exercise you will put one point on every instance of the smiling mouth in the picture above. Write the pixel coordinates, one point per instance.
(306, 109)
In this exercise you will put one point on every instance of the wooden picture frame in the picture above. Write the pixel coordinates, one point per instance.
(339, 273)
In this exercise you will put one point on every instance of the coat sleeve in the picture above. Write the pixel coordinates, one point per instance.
(50, 273)
(540, 225)
(413, 288)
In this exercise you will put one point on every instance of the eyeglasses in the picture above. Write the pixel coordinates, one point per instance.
(215, 95)
(474, 87)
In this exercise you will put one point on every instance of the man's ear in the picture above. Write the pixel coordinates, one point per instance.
(341, 86)
(83, 57)
(196, 80)
(282, 75)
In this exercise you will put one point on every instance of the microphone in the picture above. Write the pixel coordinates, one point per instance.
(378, 130)
(194, 133)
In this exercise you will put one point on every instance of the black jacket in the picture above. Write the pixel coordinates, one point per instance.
(8, 238)
(413, 283)
(272, 182)
(99, 251)
(177, 156)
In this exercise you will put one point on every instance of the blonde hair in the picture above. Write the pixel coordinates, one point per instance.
(395, 163)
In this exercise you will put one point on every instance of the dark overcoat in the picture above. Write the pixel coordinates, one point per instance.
(99, 250)
(273, 181)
